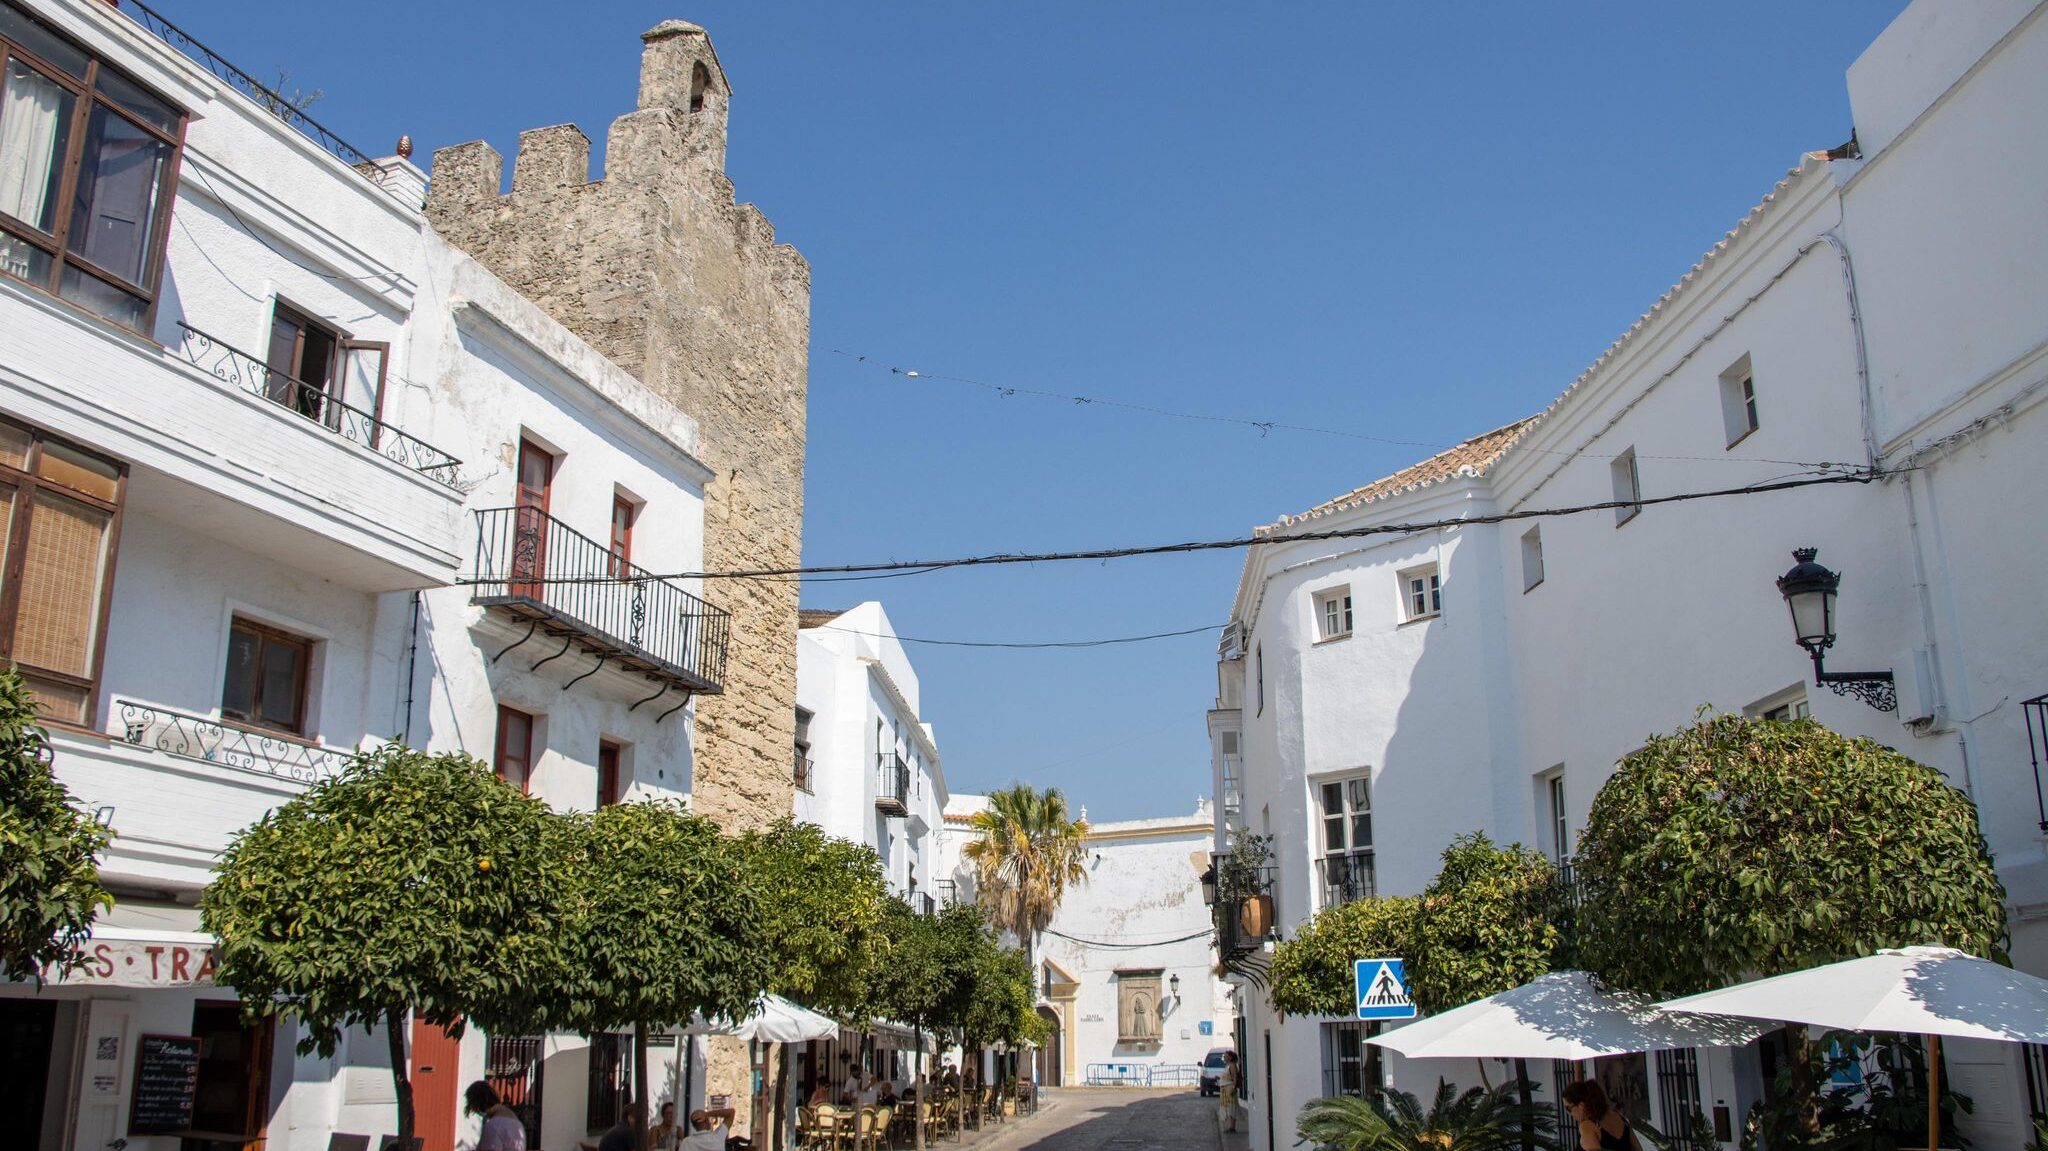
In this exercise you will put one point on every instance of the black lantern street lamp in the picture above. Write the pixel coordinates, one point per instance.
(1209, 886)
(1809, 590)
(1174, 985)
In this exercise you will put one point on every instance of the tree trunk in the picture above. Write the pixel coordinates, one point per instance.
(640, 1083)
(1804, 1088)
(1528, 1105)
(924, 1096)
(781, 1104)
(401, 1075)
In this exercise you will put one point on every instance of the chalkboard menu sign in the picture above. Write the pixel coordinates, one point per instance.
(166, 1078)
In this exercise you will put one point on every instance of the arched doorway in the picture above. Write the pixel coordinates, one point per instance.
(1050, 1056)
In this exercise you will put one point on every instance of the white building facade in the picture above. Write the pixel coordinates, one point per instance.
(285, 477)
(867, 764)
(1380, 695)
(1126, 971)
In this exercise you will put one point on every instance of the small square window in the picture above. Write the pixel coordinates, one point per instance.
(1333, 613)
(1628, 487)
(1738, 401)
(1532, 558)
(1421, 593)
(265, 684)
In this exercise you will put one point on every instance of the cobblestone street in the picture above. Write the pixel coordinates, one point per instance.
(1117, 1119)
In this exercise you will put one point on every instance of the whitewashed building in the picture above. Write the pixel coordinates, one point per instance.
(867, 764)
(1879, 309)
(1126, 970)
(283, 477)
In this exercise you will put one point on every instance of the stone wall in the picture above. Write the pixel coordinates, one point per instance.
(659, 268)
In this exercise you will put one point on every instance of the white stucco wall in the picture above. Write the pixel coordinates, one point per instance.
(1635, 626)
(856, 679)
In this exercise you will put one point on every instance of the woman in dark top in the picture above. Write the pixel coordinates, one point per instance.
(1601, 1127)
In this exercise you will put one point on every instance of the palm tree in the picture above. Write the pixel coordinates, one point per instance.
(1029, 853)
(1480, 1119)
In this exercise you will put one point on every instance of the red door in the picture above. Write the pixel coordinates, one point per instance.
(436, 1065)
(530, 519)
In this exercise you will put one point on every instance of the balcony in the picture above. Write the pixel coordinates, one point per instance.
(211, 741)
(892, 785)
(251, 374)
(214, 458)
(1246, 911)
(1345, 878)
(568, 586)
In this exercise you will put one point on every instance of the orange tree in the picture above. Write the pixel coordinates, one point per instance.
(49, 875)
(408, 883)
(1736, 848)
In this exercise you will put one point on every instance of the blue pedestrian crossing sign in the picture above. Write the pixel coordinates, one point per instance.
(1382, 989)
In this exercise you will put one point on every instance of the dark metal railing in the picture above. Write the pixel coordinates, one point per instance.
(1245, 900)
(251, 374)
(892, 787)
(949, 893)
(804, 766)
(1346, 878)
(532, 561)
(209, 740)
(289, 109)
(515, 1066)
(925, 904)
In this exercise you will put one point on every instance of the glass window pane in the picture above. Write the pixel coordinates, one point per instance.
(238, 690)
(34, 35)
(1333, 834)
(284, 670)
(1361, 793)
(363, 380)
(35, 130)
(1361, 831)
(119, 179)
(13, 445)
(138, 102)
(96, 295)
(58, 619)
(1333, 798)
(24, 260)
(79, 471)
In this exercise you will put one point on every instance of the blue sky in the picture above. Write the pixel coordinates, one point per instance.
(1411, 221)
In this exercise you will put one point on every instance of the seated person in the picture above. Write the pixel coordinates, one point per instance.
(664, 1132)
(822, 1093)
(887, 1097)
(710, 1130)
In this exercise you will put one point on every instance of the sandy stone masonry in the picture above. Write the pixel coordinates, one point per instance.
(659, 268)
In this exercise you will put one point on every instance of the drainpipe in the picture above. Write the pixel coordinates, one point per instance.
(412, 663)
(1865, 400)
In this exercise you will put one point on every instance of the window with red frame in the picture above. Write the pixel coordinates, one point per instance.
(608, 774)
(514, 759)
(623, 514)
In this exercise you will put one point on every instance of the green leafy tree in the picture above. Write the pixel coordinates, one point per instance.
(1479, 1119)
(1029, 852)
(49, 850)
(1485, 924)
(1737, 848)
(929, 979)
(1002, 1004)
(407, 883)
(822, 903)
(1311, 974)
(665, 922)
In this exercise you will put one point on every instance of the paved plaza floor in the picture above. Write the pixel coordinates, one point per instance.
(1114, 1119)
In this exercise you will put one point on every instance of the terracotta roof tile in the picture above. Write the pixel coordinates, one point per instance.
(1478, 454)
(816, 617)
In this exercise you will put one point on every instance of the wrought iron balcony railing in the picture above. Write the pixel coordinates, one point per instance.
(1247, 909)
(1346, 878)
(571, 587)
(287, 108)
(251, 374)
(892, 786)
(211, 741)
(924, 903)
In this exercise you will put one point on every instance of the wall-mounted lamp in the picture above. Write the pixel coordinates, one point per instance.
(1209, 887)
(1173, 985)
(104, 816)
(1809, 590)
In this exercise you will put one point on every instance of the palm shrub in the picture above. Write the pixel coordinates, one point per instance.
(1477, 1119)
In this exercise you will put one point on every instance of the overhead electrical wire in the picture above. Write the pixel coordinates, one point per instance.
(1043, 644)
(1129, 946)
(1264, 427)
(1861, 476)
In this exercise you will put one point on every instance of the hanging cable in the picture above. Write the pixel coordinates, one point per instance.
(1860, 476)
(1117, 945)
(1026, 646)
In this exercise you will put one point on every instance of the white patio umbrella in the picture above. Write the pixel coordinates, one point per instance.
(1561, 1015)
(775, 1020)
(1931, 991)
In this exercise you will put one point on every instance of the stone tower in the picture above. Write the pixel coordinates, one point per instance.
(656, 266)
